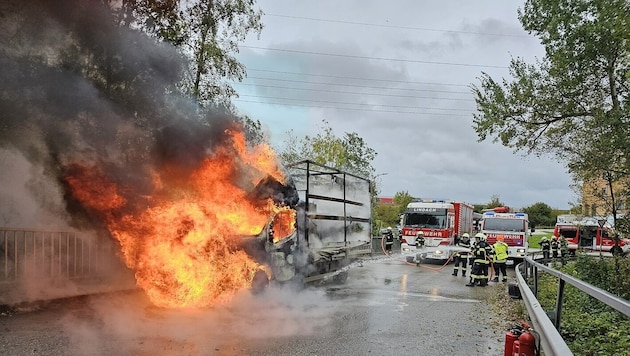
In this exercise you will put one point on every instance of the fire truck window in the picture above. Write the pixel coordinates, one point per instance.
(425, 220)
(604, 233)
(504, 225)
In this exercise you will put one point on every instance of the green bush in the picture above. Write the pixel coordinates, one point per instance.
(588, 326)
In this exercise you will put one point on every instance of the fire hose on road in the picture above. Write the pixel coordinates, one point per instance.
(435, 269)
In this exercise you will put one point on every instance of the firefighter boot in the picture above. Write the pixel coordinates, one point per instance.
(454, 273)
(496, 279)
(464, 274)
(471, 283)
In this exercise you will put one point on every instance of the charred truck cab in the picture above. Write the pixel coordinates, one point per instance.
(330, 229)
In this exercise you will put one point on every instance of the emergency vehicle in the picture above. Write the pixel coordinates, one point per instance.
(440, 221)
(514, 226)
(586, 234)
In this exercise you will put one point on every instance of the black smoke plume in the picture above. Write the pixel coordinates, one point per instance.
(77, 84)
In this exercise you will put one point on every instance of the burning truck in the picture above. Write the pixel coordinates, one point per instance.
(118, 153)
(324, 232)
(232, 219)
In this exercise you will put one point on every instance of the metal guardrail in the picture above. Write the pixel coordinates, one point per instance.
(46, 254)
(551, 340)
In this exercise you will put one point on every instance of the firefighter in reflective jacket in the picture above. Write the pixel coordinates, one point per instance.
(545, 246)
(554, 247)
(420, 239)
(461, 256)
(500, 258)
(479, 273)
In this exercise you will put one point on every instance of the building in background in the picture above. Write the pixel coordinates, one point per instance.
(596, 198)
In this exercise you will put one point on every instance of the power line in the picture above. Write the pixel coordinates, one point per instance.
(349, 92)
(352, 109)
(355, 78)
(397, 27)
(349, 103)
(373, 58)
(358, 86)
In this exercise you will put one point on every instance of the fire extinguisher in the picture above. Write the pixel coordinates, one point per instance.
(510, 338)
(520, 341)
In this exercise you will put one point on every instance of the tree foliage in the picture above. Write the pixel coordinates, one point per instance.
(207, 33)
(574, 102)
(349, 153)
(589, 327)
(402, 199)
(385, 215)
(494, 202)
(540, 214)
(389, 214)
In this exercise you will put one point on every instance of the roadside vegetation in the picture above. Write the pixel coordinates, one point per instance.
(588, 326)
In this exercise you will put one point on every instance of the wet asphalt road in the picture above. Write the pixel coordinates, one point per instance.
(386, 307)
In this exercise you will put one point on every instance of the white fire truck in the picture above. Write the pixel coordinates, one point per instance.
(514, 226)
(440, 221)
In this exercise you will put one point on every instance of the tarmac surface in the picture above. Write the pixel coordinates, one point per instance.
(386, 307)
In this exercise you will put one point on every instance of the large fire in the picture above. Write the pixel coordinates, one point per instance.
(182, 240)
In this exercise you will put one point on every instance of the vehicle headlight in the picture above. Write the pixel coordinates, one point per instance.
(520, 250)
(406, 249)
(438, 252)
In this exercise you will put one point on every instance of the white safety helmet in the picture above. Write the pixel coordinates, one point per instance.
(420, 233)
(466, 235)
(480, 236)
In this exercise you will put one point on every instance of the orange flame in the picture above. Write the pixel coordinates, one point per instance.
(283, 223)
(183, 242)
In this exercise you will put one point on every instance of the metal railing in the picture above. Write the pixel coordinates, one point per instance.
(551, 341)
(46, 254)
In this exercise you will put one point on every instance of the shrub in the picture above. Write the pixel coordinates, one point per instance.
(588, 326)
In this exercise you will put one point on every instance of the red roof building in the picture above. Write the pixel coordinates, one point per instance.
(386, 200)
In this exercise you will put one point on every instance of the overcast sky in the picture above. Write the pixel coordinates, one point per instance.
(398, 73)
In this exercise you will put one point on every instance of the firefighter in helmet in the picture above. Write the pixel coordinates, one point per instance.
(479, 273)
(461, 256)
(420, 239)
(500, 258)
(545, 246)
(389, 240)
(554, 247)
(563, 245)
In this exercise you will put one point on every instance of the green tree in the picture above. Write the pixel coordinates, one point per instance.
(495, 201)
(402, 199)
(478, 208)
(349, 153)
(385, 215)
(574, 102)
(207, 33)
(539, 214)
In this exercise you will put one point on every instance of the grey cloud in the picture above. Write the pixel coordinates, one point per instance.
(432, 152)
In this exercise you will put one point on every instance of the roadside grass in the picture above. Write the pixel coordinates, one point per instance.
(535, 239)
